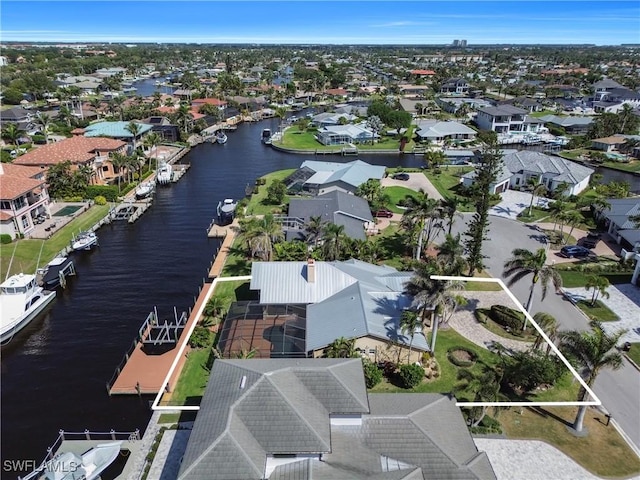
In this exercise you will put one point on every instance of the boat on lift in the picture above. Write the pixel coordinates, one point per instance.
(221, 137)
(84, 241)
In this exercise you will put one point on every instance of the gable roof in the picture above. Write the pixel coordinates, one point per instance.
(18, 180)
(620, 209)
(567, 121)
(537, 162)
(437, 129)
(75, 149)
(336, 207)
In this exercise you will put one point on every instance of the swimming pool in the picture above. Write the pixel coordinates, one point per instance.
(68, 210)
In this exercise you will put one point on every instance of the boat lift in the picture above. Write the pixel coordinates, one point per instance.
(154, 332)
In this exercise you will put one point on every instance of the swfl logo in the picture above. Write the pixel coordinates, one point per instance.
(30, 465)
(19, 465)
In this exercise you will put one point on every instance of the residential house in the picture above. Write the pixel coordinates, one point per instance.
(339, 94)
(453, 104)
(507, 119)
(117, 130)
(79, 150)
(457, 86)
(351, 299)
(345, 134)
(199, 102)
(610, 97)
(499, 185)
(437, 131)
(332, 118)
(303, 419)
(608, 144)
(421, 73)
(414, 90)
(350, 211)
(619, 224)
(18, 116)
(571, 125)
(551, 171)
(23, 198)
(163, 127)
(318, 178)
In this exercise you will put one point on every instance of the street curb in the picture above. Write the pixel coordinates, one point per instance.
(634, 364)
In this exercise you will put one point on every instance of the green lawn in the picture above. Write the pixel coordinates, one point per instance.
(634, 353)
(396, 194)
(255, 206)
(27, 251)
(598, 312)
(576, 278)
(236, 263)
(193, 379)
(296, 139)
(447, 182)
(237, 290)
(537, 214)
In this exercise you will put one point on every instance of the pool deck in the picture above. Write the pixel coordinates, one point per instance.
(56, 222)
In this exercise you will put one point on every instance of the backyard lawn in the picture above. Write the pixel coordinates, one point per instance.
(193, 378)
(296, 139)
(447, 182)
(397, 194)
(27, 251)
(256, 205)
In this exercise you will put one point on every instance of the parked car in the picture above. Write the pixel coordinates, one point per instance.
(591, 240)
(575, 251)
(401, 176)
(383, 213)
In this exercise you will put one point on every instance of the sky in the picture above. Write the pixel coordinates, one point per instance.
(323, 22)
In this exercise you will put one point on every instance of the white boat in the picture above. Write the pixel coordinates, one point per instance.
(84, 241)
(266, 136)
(226, 211)
(221, 137)
(88, 466)
(144, 189)
(21, 300)
(165, 174)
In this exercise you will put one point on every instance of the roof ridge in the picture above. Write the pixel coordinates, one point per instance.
(353, 394)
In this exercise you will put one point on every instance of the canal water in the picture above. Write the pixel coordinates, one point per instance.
(53, 376)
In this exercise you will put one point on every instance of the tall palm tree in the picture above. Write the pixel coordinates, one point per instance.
(524, 262)
(314, 227)
(573, 218)
(549, 326)
(281, 113)
(96, 104)
(537, 189)
(485, 387)
(557, 209)
(44, 121)
(152, 141)
(261, 234)
(599, 284)
(421, 216)
(450, 255)
(12, 133)
(184, 117)
(442, 297)
(134, 129)
(65, 114)
(593, 351)
(419, 288)
(333, 240)
(449, 209)
(409, 323)
(118, 161)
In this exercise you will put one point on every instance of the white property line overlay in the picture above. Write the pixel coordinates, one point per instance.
(595, 402)
(156, 403)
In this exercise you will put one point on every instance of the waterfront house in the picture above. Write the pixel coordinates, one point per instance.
(453, 104)
(163, 127)
(455, 86)
(507, 119)
(345, 134)
(316, 177)
(618, 221)
(24, 199)
(117, 130)
(337, 207)
(499, 185)
(79, 150)
(437, 131)
(608, 144)
(328, 119)
(313, 418)
(571, 125)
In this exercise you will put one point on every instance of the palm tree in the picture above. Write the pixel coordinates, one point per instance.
(261, 234)
(96, 104)
(421, 217)
(442, 297)
(314, 228)
(593, 351)
(450, 255)
(537, 189)
(572, 218)
(134, 129)
(341, 348)
(485, 387)
(556, 209)
(522, 263)
(12, 133)
(548, 325)
(449, 209)
(281, 112)
(44, 121)
(152, 141)
(184, 117)
(65, 114)
(409, 323)
(333, 240)
(419, 288)
(118, 161)
(599, 285)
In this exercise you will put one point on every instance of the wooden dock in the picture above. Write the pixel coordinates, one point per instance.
(144, 373)
(228, 233)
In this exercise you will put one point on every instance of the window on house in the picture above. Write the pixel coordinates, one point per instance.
(5, 205)
(25, 221)
(19, 203)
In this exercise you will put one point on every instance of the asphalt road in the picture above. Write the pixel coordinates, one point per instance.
(619, 390)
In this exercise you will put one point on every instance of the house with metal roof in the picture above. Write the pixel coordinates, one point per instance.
(350, 299)
(116, 130)
(303, 419)
(345, 134)
(619, 223)
(572, 124)
(507, 119)
(316, 177)
(340, 208)
(438, 131)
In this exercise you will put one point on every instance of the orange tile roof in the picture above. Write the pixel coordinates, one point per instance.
(209, 101)
(12, 186)
(23, 171)
(336, 91)
(76, 149)
(422, 72)
(165, 109)
(5, 216)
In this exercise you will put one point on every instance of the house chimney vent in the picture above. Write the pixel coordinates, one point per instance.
(311, 270)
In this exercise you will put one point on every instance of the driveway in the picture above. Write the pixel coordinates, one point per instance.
(514, 202)
(417, 181)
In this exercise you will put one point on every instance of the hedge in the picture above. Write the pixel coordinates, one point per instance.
(411, 375)
(372, 374)
(507, 317)
(109, 192)
(5, 238)
(461, 363)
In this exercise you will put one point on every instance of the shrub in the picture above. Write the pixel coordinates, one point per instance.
(74, 199)
(5, 238)
(488, 425)
(109, 192)
(100, 200)
(38, 139)
(411, 375)
(529, 370)
(459, 361)
(372, 374)
(507, 317)
(481, 314)
(201, 337)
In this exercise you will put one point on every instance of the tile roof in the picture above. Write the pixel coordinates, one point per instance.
(13, 186)
(537, 162)
(76, 149)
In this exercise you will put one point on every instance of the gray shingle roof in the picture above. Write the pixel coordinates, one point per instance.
(537, 162)
(353, 173)
(567, 121)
